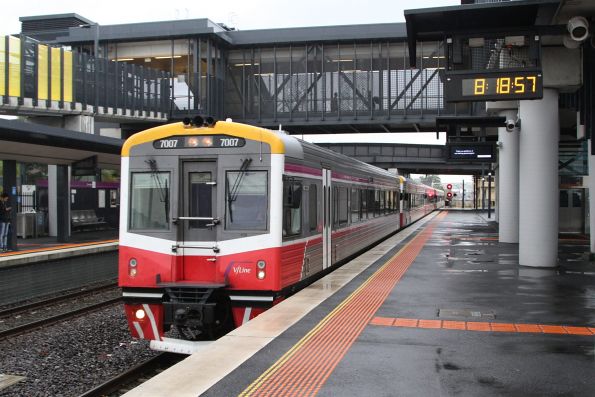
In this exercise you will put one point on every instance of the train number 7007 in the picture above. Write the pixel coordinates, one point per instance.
(226, 142)
(168, 143)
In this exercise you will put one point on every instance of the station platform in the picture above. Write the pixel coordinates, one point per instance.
(441, 308)
(42, 249)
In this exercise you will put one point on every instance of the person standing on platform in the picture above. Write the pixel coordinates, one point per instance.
(4, 222)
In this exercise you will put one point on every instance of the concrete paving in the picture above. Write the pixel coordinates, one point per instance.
(462, 319)
(440, 308)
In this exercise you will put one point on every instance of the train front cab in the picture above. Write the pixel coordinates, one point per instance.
(197, 238)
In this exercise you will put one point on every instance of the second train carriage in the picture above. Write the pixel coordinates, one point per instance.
(220, 222)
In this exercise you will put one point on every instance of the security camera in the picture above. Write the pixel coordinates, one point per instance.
(510, 125)
(578, 27)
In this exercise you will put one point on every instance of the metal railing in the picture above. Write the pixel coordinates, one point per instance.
(42, 77)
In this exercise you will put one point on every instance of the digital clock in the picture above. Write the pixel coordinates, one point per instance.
(493, 86)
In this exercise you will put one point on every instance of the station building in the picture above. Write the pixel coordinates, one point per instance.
(334, 79)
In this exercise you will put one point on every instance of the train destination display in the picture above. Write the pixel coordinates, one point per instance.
(471, 152)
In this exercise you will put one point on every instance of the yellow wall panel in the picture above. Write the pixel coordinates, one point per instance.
(56, 89)
(14, 67)
(42, 72)
(2, 66)
(67, 76)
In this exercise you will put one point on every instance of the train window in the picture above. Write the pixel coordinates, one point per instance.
(149, 201)
(576, 200)
(201, 203)
(355, 208)
(313, 207)
(406, 205)
(363, 204)
(563, 198)
(246, 196)
(371, 204)
(377, 203)
(343, 206)
(292, 208)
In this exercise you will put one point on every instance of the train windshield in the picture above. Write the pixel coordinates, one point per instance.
(247, 199)
(149, 201)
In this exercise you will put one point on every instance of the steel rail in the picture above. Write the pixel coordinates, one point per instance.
(42, 303)
(51, 320)
(132, 375)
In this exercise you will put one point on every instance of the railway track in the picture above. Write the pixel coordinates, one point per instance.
(46, 302)
(41, 318)
(30, 326)
(134, 376)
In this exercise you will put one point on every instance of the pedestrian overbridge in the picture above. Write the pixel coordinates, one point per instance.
(409, 158)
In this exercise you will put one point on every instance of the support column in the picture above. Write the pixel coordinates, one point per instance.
(497, 196)
(59, 202)
(508, 181)
(591, 185)
(538, 179)
(52, 200)
(63, 207)
(9, 186)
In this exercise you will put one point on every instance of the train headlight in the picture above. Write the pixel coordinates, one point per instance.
(261, 272)
(140, 314)
(132, 270)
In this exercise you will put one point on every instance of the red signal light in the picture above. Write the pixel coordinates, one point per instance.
(449, 194)
(449, 186)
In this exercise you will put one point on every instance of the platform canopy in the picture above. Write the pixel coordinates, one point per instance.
(34, 143)
(436, 23)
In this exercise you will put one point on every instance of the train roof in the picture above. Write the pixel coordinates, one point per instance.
(277, 142)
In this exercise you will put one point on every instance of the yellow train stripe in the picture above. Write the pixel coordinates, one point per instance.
(222, 127)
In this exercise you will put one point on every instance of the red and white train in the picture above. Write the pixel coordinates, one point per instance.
(221, 220)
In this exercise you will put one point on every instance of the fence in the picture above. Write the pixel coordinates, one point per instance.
(35, 74)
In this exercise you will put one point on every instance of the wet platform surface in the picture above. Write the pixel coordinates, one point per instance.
(446, 312)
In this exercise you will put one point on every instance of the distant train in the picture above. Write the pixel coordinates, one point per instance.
(220, 221)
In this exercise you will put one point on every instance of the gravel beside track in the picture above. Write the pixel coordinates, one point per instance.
(53, 309)
(73, 356)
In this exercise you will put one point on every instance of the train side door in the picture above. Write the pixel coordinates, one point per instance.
(326, 219)
(198, 217)
(572, 211)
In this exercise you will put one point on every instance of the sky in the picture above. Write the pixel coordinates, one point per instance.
(242, 15)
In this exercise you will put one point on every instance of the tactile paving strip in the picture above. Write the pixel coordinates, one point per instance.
(482, 326)
(303, 370)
